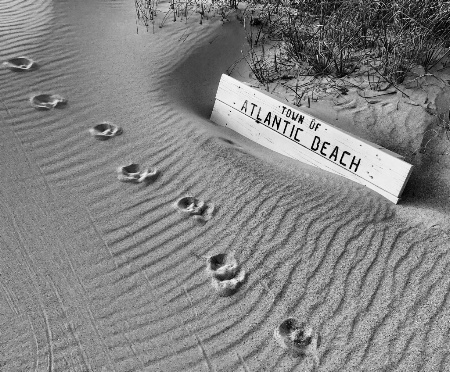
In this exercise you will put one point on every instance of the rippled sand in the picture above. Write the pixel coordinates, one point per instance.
(99, 275)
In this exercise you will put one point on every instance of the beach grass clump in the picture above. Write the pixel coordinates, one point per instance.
(148, 10)
(383, 38)
(442, 127)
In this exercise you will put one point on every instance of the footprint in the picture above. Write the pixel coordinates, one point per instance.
(19, 64)
(226, 288)
(47, 101)
(226, 277)
(222, 266)
(105, 130)
(297, 339)
(133, 173)
(198, 209)
(191, 205)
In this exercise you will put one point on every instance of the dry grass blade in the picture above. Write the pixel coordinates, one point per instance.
(386, 39)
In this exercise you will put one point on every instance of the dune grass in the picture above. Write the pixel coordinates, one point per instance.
(306, 41)
(149, 11)
(383, 39)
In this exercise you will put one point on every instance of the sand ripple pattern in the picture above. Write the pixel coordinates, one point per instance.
(22, 23)
(98, 275)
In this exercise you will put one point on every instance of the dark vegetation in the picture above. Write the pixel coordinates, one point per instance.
(335, 38)
(147, 11)
(382, 38)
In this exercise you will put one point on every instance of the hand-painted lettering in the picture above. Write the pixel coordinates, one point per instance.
(285, 126)
(313, 125)
(292, 131)
(258, 119)
(296, 132)
(294, 116)
(342, 157)
(324, 147)
(268, 117)
(356, 164)
(291, 114)
(315, 144)
(321, 147)
(244, 106)
(334, 154)
(277, 121)
(289, 130)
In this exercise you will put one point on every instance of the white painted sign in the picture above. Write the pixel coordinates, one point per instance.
(291, 132)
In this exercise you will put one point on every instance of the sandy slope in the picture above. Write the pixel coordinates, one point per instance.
(98, 275)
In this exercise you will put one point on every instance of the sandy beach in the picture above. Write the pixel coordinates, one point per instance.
(102, 275)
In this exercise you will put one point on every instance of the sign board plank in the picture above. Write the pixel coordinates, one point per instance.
(291, 132)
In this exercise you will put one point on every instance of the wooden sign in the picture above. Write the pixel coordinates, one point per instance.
(291, 132)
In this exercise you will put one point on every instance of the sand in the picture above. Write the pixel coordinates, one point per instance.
(102, 275)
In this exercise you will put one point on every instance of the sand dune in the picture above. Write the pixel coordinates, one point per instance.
(100, 275)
